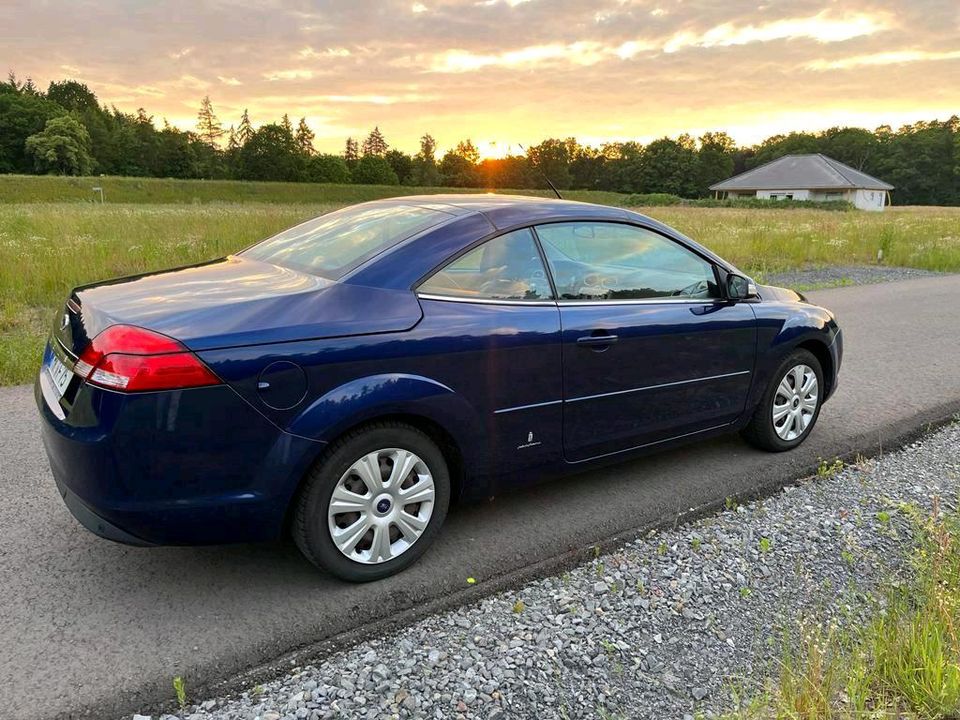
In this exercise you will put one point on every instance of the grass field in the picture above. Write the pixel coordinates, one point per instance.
(52, 188)
(47, 248)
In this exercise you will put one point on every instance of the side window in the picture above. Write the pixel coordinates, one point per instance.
(504, 268)
(609, 261)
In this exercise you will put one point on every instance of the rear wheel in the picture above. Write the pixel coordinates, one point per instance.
(374, 504)
(790, 406)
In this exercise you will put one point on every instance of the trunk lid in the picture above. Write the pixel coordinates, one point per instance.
(231, 302)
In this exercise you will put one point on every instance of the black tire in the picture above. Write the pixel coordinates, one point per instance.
(760, 431)
(310, 520)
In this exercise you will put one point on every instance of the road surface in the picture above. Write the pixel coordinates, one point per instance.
(90, 628)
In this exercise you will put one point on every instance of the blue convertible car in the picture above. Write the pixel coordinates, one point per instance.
(345, 379)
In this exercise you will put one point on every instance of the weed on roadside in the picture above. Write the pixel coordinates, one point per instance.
(904, 662)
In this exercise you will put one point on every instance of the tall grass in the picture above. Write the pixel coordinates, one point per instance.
(904, 663)
(48, 248)
(768, 241)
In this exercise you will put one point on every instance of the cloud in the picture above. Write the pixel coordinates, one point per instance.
(377, 99)
(820, 27)
(294, 74)
(576, 53)
(891, 57)
(229, 80)
(308, 53)
(181, 53)
(491, 3)
(418, 7)
(192, 82)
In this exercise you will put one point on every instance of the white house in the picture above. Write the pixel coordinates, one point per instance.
(807, 177)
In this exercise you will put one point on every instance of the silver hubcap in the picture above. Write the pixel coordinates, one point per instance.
(795, 402)
(381, 506)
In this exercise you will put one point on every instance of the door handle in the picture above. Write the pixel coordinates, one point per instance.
(594, 340)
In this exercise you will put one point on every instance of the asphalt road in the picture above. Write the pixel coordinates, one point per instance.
(90, 628)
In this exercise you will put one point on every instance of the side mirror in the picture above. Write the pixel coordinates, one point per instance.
(740, 288)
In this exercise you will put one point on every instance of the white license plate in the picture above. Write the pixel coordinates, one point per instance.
(59, 374)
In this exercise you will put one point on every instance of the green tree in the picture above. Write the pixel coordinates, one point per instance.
(62, 147)
(458, 171)
(270, 154)
(176, 154)
(513, 171)
(587, 167)
(402, 165)
(856, 147)
(714, 160)
(425, 172)
(351, 152)
(375, 144)
(328, 169)
(208, 125)
(796, 143)
(622, 169)
(245, 129)
(669, 166)
(304, 137)
(73, 96)
(22, 114)
(551, 158)
(374, 170)
(468, 151)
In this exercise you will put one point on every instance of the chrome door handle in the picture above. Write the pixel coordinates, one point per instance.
(589, 340)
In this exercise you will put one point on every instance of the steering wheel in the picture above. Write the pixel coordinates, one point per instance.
(701, 286)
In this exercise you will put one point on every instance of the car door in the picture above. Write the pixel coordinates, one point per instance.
(491, 333)
(651, 350)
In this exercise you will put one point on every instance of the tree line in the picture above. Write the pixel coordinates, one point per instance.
(66, 130)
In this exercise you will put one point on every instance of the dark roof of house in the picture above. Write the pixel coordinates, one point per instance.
(800, 172)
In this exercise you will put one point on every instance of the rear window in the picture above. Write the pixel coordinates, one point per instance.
(333, 244)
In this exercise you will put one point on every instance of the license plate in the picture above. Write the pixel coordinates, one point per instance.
(59, 374)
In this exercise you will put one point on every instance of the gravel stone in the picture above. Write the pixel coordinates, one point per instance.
(662, 627)
(835, 275)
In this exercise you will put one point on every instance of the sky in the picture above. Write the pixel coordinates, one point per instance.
(503, 72)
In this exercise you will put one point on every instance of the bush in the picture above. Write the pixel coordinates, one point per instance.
(374, 170)
(328, 169)
(666, 199)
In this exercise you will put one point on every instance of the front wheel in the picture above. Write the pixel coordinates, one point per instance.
(374, 504)
(790, 406)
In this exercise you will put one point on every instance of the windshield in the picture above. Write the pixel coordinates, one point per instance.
(333, 244)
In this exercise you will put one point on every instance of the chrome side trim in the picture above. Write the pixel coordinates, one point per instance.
(527, 407)
(487, 301)
(643, 301)
(651, 444)
(619, 392)
(654, 387)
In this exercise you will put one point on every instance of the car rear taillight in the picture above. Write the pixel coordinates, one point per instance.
(132, 359)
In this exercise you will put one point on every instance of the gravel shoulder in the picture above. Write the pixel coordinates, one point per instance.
(679, 622)
(842, 275)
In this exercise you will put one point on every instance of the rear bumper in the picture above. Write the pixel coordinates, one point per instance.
(93, 522)
(188, 467)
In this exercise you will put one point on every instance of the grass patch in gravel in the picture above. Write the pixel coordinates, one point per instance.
(903, 662)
